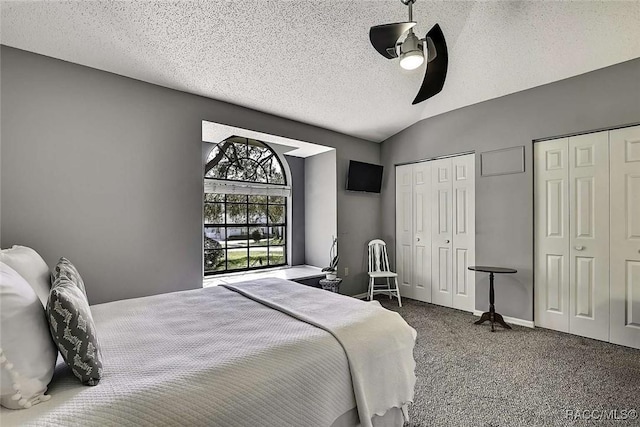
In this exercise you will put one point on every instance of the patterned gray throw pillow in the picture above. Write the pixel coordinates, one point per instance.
(73, 330)
(68, 270)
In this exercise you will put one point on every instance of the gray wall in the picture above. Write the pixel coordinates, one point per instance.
(297, 243)
(320, 207)
(504, 204)
(107, 171)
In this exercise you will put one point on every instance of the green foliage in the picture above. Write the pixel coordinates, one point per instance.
(242, 159)
(256, 235)
(213, 213)
(334, 257)
(241, 213)
(213, 255)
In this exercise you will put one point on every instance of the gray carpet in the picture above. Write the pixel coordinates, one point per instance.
(468, 376)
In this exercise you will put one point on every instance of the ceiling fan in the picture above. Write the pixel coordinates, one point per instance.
(386, 39)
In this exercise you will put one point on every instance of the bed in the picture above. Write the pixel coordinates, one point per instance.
(262, 353)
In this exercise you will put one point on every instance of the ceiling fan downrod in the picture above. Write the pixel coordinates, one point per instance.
(409, 4)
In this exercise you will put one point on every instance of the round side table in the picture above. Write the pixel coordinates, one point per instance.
(491, 315)
(332, 285)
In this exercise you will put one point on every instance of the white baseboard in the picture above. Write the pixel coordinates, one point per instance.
(513, 320)
(363, 295)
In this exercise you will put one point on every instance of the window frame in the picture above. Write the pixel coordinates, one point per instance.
(226, 225)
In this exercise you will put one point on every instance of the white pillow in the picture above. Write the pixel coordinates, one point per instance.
(27, 352)
(32, 267)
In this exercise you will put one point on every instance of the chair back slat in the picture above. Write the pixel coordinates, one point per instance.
(385, 259)
(378, 257)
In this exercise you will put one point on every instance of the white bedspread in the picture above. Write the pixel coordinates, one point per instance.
(378, 342)
(205, 357)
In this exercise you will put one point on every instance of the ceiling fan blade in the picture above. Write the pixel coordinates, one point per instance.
(384, 37)
(436, 69)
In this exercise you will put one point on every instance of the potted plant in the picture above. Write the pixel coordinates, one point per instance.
(332, 270)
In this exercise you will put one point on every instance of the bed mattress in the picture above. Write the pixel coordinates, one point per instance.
(204, 357)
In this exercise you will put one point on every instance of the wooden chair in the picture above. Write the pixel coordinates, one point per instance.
(379, 269)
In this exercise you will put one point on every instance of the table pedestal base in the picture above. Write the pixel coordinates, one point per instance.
(493, 318)
(491, 315)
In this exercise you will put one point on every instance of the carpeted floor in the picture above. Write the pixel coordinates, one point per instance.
(468, 376)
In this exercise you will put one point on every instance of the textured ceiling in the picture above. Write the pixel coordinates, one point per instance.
(311, 61)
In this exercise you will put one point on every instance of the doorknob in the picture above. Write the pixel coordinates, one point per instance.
(579, 248)
(417, 239)
(446, 241)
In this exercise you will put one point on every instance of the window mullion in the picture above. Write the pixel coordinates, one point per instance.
(226, 236)
(246, 216)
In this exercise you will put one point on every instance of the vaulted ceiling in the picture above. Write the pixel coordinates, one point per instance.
(311, 61)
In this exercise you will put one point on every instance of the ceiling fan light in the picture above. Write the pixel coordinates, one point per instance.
(411, 60)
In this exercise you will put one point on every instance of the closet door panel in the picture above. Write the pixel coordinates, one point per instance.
(442, 232)
(589, 235)
(625, 236)
(463, 231)
(404, 229)
(551, 200)
(422, 231)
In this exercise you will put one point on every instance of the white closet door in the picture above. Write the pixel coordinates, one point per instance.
(442, 233)
(422, 231)
(464, 230)
(589, 235)
(404, 229)
(551, 192)
(625, 237)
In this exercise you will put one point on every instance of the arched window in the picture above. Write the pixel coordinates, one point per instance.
(244, 159)
(245, 207)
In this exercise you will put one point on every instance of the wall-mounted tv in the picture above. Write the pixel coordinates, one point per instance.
(364, 177)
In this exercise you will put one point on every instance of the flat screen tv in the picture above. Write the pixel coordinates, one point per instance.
(364, 177)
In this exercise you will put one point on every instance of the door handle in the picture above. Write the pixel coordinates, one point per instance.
(579, 248)
(417, 239)
(447, 241)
